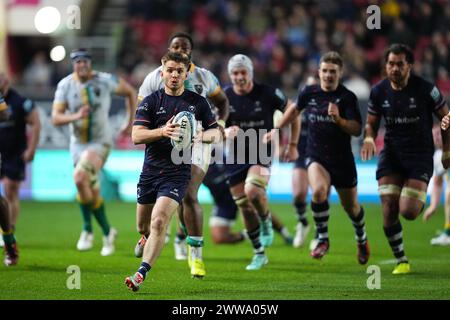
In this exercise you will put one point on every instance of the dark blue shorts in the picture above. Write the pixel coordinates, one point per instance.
(216, 181)
(12, 166)
(151, 187)
(417, 166)
(237, 173)
(300, 163)
(343, 175)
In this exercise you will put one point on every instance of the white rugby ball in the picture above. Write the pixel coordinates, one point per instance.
(187, 123)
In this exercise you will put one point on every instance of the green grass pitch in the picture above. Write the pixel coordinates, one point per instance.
(47, 234)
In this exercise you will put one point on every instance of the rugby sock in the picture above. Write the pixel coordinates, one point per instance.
(99, 213)
(195, 247)
(86, 210)
(447, 229)
(144, 268)
(254, 238)
(360, 228)
(321, 216)
(8, 238)
(300, 208)
(180, 236)
(394, 234)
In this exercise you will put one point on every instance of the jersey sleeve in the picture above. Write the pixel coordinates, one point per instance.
(212, 84)
(300, 104)
(437, 99)
(112, 81)
(143, 113)
(27, 106)
(373, 104)
(279, 100)
(152, 83)
(61, 93)
(350, 107)
(205, 115)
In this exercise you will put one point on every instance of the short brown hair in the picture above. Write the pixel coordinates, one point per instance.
(399, 48)
(332, 57)
(177, 57)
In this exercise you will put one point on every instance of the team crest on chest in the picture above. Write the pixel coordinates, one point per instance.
(191, 109)
(198, 88)
(412, 103)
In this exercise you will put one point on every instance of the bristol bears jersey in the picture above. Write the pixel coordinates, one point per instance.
(326, 141)
(97, 93)
(199, 80)
(254, 111)
(154, 112)
(13, 137)
(407, 113)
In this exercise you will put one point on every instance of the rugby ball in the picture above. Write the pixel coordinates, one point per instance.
(187, 123)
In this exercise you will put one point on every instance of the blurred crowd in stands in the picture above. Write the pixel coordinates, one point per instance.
(286, 38)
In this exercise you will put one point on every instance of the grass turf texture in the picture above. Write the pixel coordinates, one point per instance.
(47, 235)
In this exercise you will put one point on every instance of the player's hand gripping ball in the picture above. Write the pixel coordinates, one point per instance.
(187, 123)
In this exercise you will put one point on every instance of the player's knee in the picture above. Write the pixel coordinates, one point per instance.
(411, 212)
(217, 235)
(254, 194)
(158, 225)
(320, 194)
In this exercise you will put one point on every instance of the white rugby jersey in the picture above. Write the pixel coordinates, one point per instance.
(97, 93)
(199, 80)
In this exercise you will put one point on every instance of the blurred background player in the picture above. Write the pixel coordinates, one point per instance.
(439, 175)
(253, 108)
(407, 103)
(334, 117)
(204, 83)
(225, 211)
(9, 241)
(83, 100)
(296, 152)
(16, 151)
(162, 183)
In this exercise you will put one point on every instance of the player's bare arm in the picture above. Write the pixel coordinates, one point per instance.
(144, 135)
(442, 113)
(126, 90)
(213, 135)
(291, 152)
(370, 133)
(61, 118)
(34, 123)
(220, 101)
(289, 116)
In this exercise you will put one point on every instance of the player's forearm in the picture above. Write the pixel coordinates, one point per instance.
(289, 116)
(144, 136)
(295, 131)
(60, 119)
(222, 105)
(131, 106)
(34, 138)
(351, 127)
(211, 136)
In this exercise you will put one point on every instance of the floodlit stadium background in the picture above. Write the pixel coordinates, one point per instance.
(284, 38)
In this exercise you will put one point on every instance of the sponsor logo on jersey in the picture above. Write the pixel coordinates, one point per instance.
(192, 109)
(161, 111)
(386, 104)
(198, 88)
(412, 103)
